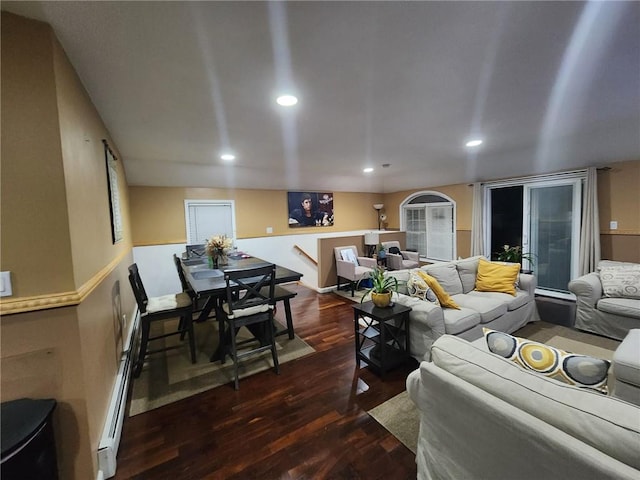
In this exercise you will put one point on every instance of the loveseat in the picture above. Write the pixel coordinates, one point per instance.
(613, 312)
(495, 310)
(482, 416)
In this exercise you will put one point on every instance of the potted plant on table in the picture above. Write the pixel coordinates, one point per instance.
(382, 287)
(514, 255)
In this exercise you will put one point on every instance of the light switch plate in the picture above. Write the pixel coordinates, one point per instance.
(5, 284)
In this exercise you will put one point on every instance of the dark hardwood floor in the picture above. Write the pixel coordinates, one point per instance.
(309, 422)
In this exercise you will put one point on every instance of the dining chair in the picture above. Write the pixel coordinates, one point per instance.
(249, 302)
(198, 303)
(160, 308)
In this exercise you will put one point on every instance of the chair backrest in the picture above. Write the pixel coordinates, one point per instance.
(338, 252)
(138, 288)
(183, 279)
(196, 250)
(245, 288)
(391, 243)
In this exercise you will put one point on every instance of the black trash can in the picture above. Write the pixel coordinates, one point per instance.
(28, 444)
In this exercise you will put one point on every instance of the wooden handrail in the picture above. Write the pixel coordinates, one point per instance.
(297, 247)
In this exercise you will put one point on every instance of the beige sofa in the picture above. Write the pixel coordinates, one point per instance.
(498, 311)
(482, 416)
(609, 316)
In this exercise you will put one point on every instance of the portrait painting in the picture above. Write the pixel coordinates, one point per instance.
(310, 209)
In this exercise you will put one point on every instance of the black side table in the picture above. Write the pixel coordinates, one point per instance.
(381, 335)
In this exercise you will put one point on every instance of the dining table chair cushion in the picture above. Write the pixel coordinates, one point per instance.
(168, 302)
(245, 312)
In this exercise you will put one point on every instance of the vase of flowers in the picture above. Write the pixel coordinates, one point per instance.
(217, 249)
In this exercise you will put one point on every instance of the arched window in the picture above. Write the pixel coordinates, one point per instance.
(429, 220)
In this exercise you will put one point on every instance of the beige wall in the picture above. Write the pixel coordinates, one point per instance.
(35, 225)
(56, 241)
(157, 213)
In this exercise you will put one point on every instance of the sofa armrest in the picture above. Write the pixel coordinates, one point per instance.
(587, 289)
(528, 283)
(367, 262)
(345, 269)
(394, 261)
(426, 325)
(407, 255)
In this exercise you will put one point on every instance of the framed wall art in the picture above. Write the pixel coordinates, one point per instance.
(114, 193)
(310, 209)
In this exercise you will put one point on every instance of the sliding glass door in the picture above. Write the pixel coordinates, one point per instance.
(552, 232)
(543, 217)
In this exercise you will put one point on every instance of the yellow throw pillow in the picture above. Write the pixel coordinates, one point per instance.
(443, 297)
(496, 277)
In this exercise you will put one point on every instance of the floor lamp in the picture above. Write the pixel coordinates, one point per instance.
(378, 207)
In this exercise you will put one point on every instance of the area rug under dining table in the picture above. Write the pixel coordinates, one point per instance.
(170, 376)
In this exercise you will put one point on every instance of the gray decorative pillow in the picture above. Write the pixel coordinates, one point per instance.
(578, 370)
(621, 281)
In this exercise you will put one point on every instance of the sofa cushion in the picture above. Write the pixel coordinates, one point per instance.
(488, 308)
(496, 277)
(621, 281)
(443, 297)
(513, 303)
(447, 275)
(468, 270)
(578, 370)
(601, 421)
(461, 320)
(625, 307)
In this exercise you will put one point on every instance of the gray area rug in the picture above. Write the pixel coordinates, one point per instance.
(401, 418)
(170, 376)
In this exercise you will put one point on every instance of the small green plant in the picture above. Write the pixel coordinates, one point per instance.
(514, 255)
(381, 283)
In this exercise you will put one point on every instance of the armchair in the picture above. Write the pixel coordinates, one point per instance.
(400, 259)
(610, 315)
(352, 267)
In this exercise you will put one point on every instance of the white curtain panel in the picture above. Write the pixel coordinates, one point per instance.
(477, 242)
(590, 229)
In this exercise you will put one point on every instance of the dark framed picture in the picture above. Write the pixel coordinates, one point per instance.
(114, 194)
(310, 209)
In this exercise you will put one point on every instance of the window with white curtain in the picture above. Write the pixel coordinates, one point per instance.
(206, 218)
(429, 221)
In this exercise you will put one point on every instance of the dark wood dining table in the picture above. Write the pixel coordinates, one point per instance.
(209, 283)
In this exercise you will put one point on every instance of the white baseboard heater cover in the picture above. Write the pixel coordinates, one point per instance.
(108, 447)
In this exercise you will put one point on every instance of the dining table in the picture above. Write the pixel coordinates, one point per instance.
(209, 283)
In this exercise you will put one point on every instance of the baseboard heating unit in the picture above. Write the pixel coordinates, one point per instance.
(108, 447)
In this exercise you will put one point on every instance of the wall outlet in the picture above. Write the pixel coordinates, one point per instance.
(5, 284)
(613, 225)
(269, 229)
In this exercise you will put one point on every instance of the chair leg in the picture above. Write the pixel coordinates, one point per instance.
(274, 350)
(144, 341)
(287, 314)
(221, 341)
(234, 356)
(353, 288)
(192, 340)
(182, 328)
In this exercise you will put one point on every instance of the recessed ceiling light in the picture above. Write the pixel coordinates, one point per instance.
(287, 100)
(227, 157)
(367, 170)
(474, 143)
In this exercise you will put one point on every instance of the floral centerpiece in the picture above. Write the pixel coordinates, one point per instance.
(217, 249)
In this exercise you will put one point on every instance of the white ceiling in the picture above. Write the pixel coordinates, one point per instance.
(549, 85)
